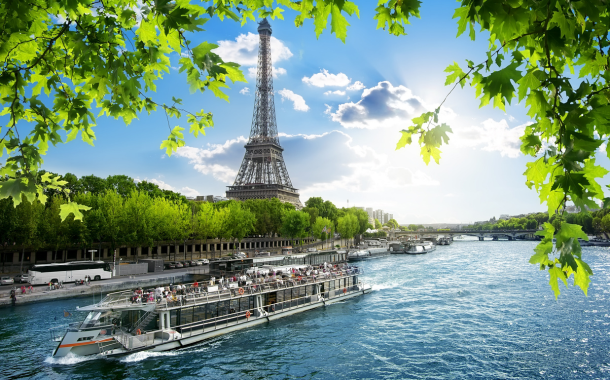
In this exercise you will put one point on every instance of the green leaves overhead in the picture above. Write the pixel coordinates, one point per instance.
(549, 44)
(431, 136)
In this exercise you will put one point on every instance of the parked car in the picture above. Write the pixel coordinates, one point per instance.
(239, 255)
(6, 280)
(170, 265)
(196, 263)
(192, 263)
(21, 278)
(204, 261)
(178, 264)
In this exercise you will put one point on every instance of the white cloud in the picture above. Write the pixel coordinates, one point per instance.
(244, 50)
(244, 91)
(210, 161)
(325, 79)
(492, 136)
(356, 86)
(186, 191)
(276, 72)
(384, 105)
(297, 100)
(345, 166)
(329, 109)
(337, 92)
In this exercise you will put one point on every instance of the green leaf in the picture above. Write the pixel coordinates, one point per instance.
(405, 139)
(456, 73)
(581, 277)
(556, 274)
(13, 188)
(568, 231)
(72, 208)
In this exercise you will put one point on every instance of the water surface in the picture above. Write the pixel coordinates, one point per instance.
(472, 310)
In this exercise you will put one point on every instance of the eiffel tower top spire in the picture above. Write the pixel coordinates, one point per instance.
(264, 127)
(263, 173)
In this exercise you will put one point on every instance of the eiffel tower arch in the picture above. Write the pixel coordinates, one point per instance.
(263, 173)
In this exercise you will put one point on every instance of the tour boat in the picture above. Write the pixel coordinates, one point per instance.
(367, 254)
(131, 321)
(413, 248)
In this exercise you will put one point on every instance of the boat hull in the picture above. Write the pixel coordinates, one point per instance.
(203, 336)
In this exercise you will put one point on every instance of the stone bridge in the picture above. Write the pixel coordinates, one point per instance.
(481, 234)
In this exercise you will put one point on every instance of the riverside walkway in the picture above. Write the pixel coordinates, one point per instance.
(95, 289)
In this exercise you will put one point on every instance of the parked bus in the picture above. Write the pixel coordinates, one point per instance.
(42, 274)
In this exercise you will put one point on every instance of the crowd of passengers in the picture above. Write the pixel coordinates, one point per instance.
(175, 295)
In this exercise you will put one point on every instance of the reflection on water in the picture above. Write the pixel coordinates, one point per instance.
(469, 310)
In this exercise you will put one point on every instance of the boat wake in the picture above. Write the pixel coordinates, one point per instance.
(143, 355)
(70, 359)
(376, 287)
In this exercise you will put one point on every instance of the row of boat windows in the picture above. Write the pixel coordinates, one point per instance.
(191, 314)
(85, 338)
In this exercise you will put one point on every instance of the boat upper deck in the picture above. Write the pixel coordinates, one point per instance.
(177, 296)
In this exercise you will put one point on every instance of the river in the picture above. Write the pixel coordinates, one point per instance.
(472, 310)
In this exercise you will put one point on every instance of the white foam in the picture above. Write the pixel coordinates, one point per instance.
(383, 286)
(70, 359)
(143, 355)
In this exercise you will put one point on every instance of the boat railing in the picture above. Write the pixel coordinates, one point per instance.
(246, 315)
(196, 295)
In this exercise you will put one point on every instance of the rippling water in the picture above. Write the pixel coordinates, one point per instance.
(472, 310)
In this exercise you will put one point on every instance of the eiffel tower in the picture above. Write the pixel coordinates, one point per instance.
(263, 173)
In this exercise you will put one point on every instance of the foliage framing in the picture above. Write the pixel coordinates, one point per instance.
(553, 54)
(558, 63)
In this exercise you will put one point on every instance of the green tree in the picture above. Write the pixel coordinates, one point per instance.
(26, 230)
(322, 228)
(294, 224)
(240, 222)
(377, 224)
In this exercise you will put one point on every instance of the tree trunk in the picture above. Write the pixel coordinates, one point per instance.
(22, 254)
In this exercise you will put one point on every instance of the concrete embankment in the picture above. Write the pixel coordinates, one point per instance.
(43, 294)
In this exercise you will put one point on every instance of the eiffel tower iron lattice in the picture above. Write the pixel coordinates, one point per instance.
(263, 173)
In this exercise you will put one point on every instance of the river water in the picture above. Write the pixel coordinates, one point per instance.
(472, 310)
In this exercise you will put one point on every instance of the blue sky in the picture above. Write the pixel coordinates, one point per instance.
(339, 109)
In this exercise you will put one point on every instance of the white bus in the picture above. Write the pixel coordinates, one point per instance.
(42, 274)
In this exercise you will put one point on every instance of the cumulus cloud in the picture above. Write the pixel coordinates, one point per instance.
(384, 105)
(244, 50)
(186, 191)
(276, 72)
(298, 102)
(244, 91)
(218, 160)
(355, 86)
(492, 136)
(337, 92)
(326, 79)
(344, 165)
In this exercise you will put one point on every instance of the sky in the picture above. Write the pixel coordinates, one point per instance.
(339, 108)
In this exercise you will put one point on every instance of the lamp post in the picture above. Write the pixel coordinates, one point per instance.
(92, 252)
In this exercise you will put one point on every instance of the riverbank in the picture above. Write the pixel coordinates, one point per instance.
(96, 288)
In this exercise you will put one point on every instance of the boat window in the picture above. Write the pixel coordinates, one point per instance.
(212, 310)
(84, 338)
(198, 313)
(92, 318)
(173, 318)
(186, 315)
